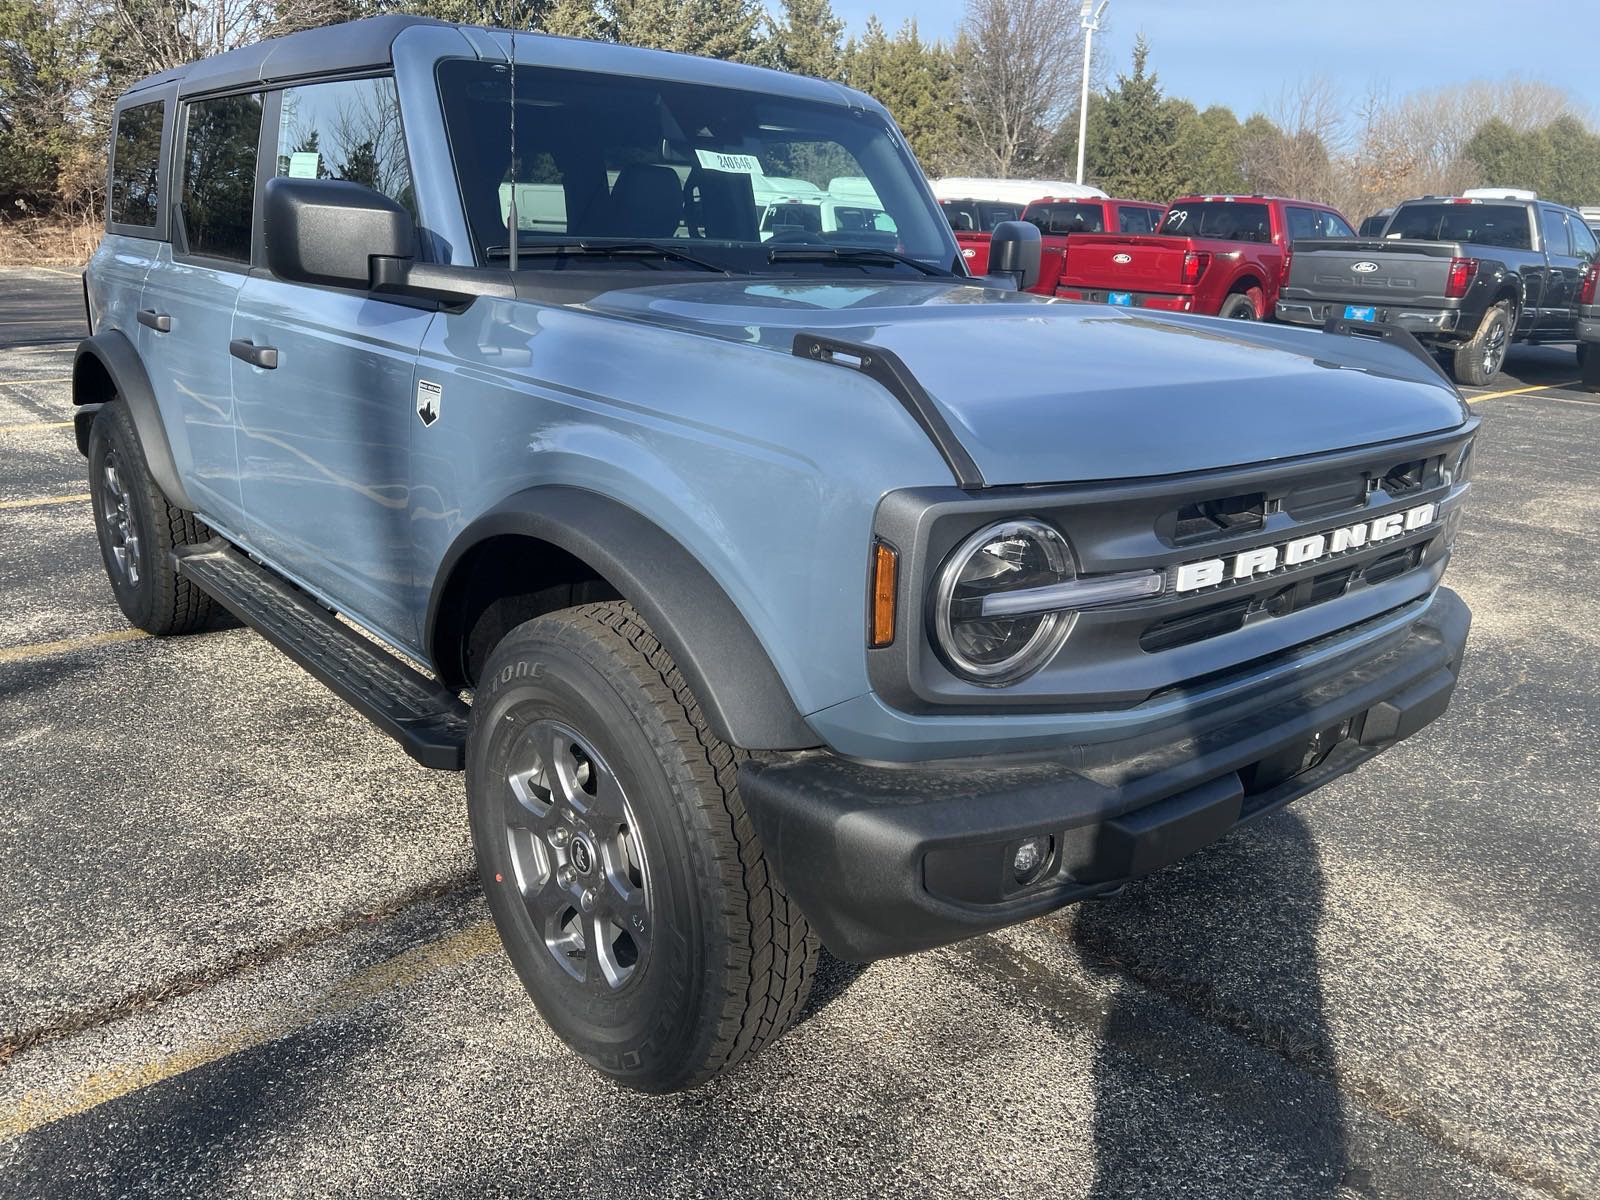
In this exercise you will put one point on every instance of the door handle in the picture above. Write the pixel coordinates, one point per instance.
(151, 319)
(265, 357)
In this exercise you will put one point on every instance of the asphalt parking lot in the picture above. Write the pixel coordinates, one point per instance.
(244, 951)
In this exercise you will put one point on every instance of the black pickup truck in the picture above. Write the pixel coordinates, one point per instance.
(1465, 275)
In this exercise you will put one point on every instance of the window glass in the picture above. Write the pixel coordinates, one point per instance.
(135, 165)
(1067, 217)
(219, 175)
(610, 156)
(994, 214)
(1583, 243)
(1225, 220)
(1503, 225)
(1554, 223)
(1136, 220)
(1316, 223)
(962, 215)
(346, 130)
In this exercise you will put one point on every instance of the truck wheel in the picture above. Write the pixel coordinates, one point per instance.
(138, 530)
(625, 879)
(1479, 360)
(1591, 371)
(1240, 307)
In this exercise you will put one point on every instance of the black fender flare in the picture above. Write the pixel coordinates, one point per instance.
(113, 354)
(740, 692)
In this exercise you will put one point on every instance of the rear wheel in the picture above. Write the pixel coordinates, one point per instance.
(1240, 307)
(138, 530)
(1479, 360)
(623, 874)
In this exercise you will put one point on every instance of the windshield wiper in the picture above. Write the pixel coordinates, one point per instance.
(639, 250)
(850, 255)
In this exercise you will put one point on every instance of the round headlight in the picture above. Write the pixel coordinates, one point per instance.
(1000, 558)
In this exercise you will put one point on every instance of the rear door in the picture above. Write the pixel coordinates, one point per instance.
(135, 211)
(190, 297)
(1563, 270)
(324, 436)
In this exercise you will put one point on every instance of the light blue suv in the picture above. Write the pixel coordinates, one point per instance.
(769, 592)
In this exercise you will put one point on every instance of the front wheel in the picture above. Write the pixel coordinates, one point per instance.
(622, 872)
(1479, 360)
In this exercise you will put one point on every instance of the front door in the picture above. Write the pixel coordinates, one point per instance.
(324, 435)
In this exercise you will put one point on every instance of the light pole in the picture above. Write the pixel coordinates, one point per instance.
(1089, 21)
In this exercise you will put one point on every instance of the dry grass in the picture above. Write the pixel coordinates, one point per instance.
(48, 241)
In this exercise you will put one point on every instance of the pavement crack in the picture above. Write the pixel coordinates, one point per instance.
(82, 1020)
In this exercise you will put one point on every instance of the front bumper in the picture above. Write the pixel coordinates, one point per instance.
(887, 860)
(1420, 321)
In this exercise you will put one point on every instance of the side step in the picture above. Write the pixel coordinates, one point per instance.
(428, 720)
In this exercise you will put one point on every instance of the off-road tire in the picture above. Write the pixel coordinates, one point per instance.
(1479, 360)
(152, 595)
(730, 959)
(1239, 307)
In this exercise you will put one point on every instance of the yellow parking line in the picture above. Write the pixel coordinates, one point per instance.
(1521, 391)
(9, 654)
(120, 1079)
(33, 426)
(20, 382)
(39, 501)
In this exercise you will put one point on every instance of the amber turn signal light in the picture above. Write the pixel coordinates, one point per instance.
(885, 569)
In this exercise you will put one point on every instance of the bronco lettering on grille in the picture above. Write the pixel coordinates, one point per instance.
(1263, 559)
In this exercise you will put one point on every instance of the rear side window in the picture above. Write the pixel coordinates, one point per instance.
(1316, 223)
(136, 165)
(1554, 223)
(1136, 220)
(1068, 218)
(349, 130)
(219, 175)
(1503, 225)
(1225, 220)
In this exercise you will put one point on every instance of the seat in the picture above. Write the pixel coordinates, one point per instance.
(720, 205)
(646, 201)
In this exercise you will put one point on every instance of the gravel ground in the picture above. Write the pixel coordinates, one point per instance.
(246, 954)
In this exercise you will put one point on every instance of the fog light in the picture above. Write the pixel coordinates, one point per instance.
(1030, 859)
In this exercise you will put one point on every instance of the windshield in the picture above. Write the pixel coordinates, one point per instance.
(1068, 218)
(1504, 225)
(729, 175)
(1225, 220)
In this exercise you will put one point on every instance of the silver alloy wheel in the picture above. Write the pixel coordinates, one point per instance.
(579, 864)
(1494, 350)
(117, 512)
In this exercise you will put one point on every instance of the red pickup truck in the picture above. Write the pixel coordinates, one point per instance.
(972, 221)
(1059, 219)
(1220, 255)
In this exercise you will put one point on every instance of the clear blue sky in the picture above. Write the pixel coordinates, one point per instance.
(1242, 52)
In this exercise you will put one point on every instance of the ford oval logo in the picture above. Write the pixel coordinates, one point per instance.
(1364, 268)
(1122, 258)
(969, 252)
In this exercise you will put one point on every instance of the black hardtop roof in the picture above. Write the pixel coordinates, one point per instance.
(352, 46)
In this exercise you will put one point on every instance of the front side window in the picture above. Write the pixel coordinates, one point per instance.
(136, 165)
(219, 175)
(1583, 243)
(1224, 220)
(710, 171)
(349, 130)
(1316, 223)
(1554, 223)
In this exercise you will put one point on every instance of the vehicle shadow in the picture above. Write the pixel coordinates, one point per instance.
(833, 979)
(1213, 1066)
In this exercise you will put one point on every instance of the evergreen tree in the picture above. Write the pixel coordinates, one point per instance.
(808, 41)
(575, 18)
(1132, 145)
(714, 28)
(916, 81)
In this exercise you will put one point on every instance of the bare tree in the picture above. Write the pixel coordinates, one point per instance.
(1020, 65)
(1295, 156)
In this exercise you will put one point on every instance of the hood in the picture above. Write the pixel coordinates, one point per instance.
(1043, 391)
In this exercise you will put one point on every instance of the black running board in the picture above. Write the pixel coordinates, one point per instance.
(426, 718)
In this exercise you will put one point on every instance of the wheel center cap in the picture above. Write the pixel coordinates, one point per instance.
(582, 856)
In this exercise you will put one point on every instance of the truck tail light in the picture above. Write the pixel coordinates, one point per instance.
(1288, 261)
(1591, 275)
(1195, 263)
(1462, 271)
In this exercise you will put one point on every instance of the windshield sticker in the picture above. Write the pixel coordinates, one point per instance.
(740, 164)
(303, 164)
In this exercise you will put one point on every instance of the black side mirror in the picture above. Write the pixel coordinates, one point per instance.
(327, 231)
(1014, 250)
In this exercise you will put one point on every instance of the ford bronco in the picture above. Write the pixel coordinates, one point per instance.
(770, 592)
